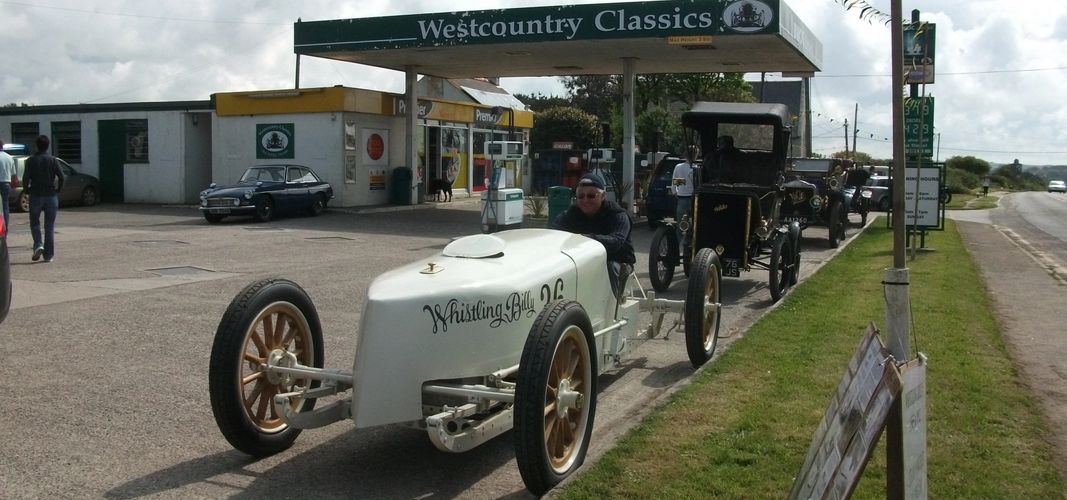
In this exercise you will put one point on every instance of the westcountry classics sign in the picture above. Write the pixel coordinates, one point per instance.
(540, 24)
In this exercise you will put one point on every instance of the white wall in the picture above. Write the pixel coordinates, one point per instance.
(161, 180)
(319, 144)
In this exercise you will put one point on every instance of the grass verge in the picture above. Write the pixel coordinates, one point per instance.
(743, 427)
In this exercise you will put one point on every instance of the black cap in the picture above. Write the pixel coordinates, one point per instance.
(592, 180)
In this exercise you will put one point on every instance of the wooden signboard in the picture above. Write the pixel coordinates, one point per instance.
(852, 424)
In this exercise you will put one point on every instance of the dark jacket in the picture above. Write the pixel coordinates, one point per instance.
(610, 226)
(42, 176)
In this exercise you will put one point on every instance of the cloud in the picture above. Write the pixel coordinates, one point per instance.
(990, 103)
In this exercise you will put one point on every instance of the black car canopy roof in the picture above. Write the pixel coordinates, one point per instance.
(706, 114)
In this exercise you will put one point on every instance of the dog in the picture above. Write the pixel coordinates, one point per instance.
(442, 189)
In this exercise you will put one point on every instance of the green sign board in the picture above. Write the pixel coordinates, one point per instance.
(919, 52)
(919, 126)
(274, 140)
(541, 24)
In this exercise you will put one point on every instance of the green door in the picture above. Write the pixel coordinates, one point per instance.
(112, 159)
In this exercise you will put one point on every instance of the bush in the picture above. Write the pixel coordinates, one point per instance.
(536, 205)
(961, 181)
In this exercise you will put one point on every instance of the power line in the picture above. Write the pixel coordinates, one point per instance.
(952, 73)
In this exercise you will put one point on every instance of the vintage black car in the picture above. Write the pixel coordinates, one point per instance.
(816, 195)
(266, 190)
(736, 225)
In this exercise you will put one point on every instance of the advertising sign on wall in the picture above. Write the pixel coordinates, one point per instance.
(275, 140)
(375, 147)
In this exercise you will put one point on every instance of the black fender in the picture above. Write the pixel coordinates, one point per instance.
(794, 233)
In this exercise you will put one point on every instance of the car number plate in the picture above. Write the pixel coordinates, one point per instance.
(801, 220)
(219, 210)
(731, 268)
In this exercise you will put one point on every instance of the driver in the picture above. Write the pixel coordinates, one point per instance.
(594, 216)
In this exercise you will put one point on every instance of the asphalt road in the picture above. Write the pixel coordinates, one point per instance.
(105, 357)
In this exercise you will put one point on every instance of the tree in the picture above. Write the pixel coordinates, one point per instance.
(594, 94)
(563, 124)
(860, 157)
(723, 87)
(538, 102)
(969, 163)
(657, 129)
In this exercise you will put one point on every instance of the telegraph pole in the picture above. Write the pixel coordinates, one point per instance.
(855, 129)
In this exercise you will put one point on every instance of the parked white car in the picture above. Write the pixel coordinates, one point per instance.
(496, 331)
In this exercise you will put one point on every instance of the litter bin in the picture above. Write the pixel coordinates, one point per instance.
(401, 192)
(501, 209)
(559, 199)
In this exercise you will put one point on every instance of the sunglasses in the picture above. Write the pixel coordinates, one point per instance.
(587, 196)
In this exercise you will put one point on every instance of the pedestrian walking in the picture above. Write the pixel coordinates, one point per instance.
(43, 180)
(7, 172)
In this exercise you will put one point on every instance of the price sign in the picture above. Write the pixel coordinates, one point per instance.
(919, 127)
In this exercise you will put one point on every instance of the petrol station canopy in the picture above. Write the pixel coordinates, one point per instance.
(673, 36)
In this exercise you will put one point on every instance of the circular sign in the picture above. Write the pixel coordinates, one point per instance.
(747, 16)
(375, 147)
(274, 141)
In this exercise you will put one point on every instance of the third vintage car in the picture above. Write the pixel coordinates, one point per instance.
(816, 195)
(265, 191)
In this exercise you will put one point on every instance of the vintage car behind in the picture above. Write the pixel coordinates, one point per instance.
(878, 187)
(265, 191)
(736, 207)
(496, 331)
(817, 193)
(660, 202)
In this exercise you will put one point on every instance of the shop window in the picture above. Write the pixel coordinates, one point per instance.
(67, 141)
(26, 134)
(136, 141)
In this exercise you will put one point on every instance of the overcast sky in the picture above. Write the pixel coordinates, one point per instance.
(1000, 91)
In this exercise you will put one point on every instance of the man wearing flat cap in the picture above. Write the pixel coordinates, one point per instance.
(594, 216)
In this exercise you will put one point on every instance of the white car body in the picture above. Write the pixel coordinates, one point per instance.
(470, 316)
(1057, 187)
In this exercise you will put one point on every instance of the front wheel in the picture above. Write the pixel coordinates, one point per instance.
(784, 267)
(702, 308)
(836, 225)
(23, 202)
(270, 319)
(265, 209)
(662, 257)
(555, 397)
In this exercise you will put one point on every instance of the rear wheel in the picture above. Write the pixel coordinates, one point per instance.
(783, 266)
(272, 319)
(89, 196)
(318, 204)
(702, 309)
(662, 257)
(555, 397)
(265, 209)
(883, 204)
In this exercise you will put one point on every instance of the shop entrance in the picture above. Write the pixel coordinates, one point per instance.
(446, 157)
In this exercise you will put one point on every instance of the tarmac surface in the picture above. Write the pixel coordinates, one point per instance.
(105, 364)
(106, 355)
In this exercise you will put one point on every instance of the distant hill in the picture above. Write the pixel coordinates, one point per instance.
(1048, 172)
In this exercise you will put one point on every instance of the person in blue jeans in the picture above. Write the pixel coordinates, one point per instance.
(43, 180)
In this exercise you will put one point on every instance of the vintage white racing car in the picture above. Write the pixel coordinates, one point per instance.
(496, 331)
